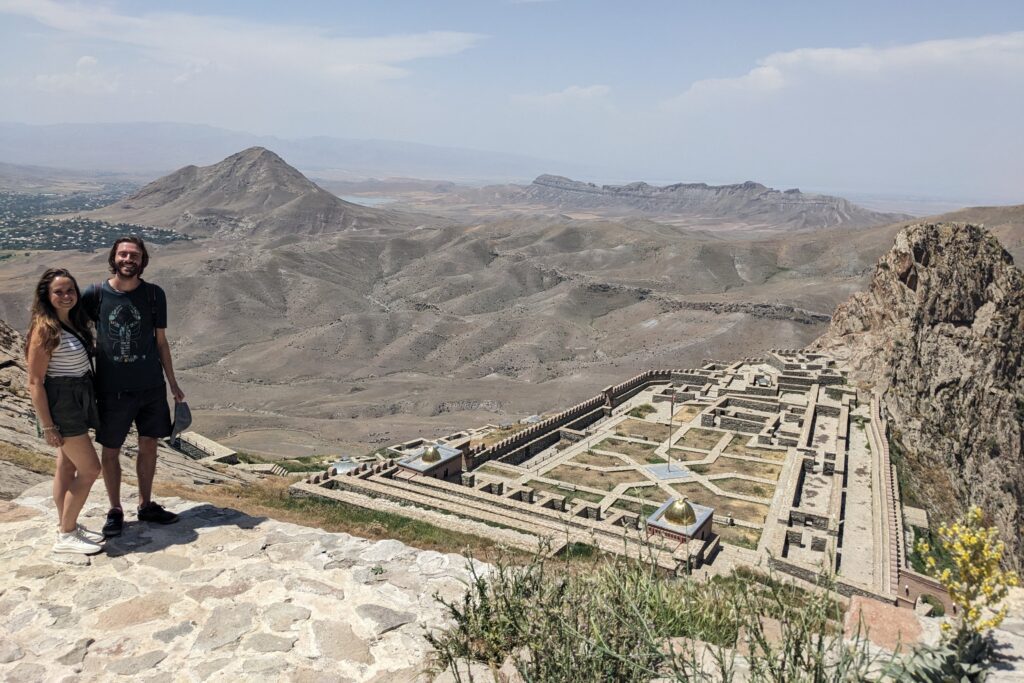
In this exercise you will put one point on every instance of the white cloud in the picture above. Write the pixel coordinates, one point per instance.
(571, 94)
(782, 70)
(185, 40)
(934, 117)
(86, 79)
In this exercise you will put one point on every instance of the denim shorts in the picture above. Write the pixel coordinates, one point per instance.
(72, 404)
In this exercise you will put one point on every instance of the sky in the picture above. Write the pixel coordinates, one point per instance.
(892, 98)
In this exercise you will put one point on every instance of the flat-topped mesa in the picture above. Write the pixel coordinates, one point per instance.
(941, 332)
(747, 200)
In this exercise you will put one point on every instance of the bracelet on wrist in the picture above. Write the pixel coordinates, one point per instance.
(51, 428)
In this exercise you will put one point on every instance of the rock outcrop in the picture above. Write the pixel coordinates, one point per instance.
(17, 425)
(940, 333)
(748, 202)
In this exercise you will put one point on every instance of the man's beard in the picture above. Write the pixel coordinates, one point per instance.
(128, 270)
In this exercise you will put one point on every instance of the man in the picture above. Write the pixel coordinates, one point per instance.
(133, 358)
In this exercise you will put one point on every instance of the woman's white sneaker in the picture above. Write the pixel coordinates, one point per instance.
(93, 536)
(74, 543)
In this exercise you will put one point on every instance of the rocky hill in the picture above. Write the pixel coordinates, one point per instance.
(250, 193)
(941, 332)
(749, 202)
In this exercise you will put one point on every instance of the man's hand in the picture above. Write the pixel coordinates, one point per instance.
(178, 394)
(53, 437)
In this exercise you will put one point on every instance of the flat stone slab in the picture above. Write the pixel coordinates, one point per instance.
(668, 471)
(887, 625)
(222, 596)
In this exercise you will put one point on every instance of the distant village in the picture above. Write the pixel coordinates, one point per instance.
(27, 222)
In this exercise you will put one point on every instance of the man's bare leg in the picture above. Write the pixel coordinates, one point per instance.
(112, 476)
(145, 468)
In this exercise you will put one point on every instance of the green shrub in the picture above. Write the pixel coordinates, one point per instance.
(623, 620)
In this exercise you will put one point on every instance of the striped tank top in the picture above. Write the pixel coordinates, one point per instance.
(69, 359)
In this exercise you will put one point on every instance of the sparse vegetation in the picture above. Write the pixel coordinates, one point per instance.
(724, 464)
(745, 487)
(269, 498)
(26, 459)
(742, 536)
(568, 494)
(642, 410)
(594, 479)
(740, 509)
(623, 621)
(599, 459)
(702, 439)
(642, 452)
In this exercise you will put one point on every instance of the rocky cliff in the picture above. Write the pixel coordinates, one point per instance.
(940, 332)
(749, 202)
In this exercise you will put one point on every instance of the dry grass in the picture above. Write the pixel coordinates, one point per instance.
(493, 471)
(740, 509)
(642, 452)
(738, 535)
(269, 498)
(739, 447)
(26, 459)
(724, 465)
(686, 413)
(647, 493)
(745, 487)
(688, 455)
(645, 430)
(595, 479)
(599, 459)
(704, 439)
(570, 495)
(634, 507)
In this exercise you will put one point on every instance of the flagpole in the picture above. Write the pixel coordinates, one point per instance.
(671, 413)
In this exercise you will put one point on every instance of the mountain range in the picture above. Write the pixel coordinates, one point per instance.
(157, 148)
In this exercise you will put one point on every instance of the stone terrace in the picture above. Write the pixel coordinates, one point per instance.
(219, 596)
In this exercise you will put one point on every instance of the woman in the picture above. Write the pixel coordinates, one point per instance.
(60, 384)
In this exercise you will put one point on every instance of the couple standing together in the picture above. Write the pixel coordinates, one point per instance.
(132, 358)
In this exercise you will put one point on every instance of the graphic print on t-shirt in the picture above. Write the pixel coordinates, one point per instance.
(125, 327)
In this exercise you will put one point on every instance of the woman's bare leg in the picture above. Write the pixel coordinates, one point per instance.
(62, 478)
(82, 455)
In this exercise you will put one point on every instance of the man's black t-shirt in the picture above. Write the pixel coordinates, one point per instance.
(126, 353)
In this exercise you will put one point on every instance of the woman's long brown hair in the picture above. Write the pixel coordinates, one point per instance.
(45, 322)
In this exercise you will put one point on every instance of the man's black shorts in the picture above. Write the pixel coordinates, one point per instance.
(147, 408)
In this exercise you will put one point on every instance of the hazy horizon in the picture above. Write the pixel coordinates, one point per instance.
(917, 100)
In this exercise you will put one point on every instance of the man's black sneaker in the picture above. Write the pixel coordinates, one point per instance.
(114, 524)
(152, 512)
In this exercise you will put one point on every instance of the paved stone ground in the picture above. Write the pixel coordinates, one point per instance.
(219, 596)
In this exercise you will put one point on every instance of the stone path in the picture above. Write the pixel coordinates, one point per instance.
(219, 596)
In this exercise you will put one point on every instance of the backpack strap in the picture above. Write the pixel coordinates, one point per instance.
(88, 349)
(151, 291)
(99, 302)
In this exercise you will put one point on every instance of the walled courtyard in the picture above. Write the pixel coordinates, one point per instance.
(791, 459)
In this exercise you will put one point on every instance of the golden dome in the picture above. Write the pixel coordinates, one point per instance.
(431, 454)
(680, 513)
